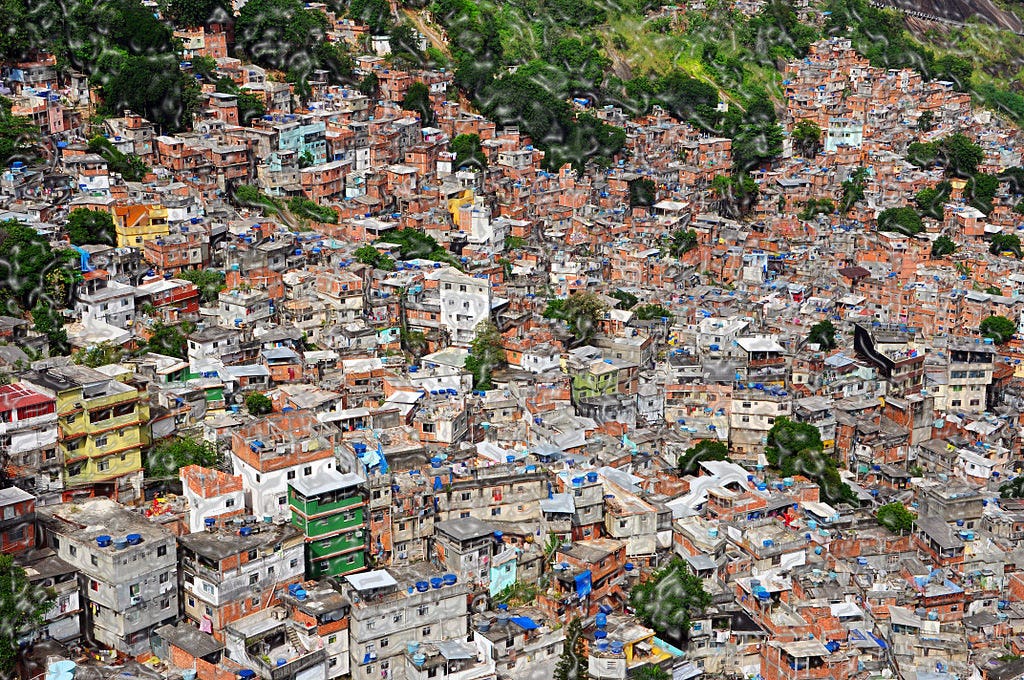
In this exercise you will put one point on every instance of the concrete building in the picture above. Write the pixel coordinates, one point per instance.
(28, 440)
(127, 568)
(330, 511)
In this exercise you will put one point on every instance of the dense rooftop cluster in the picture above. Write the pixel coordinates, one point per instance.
(347, 380)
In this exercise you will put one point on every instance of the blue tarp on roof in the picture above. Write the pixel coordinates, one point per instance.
(524, 622)
(878, 640)
(583, 584)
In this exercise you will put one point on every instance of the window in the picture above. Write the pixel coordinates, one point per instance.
(165, 603)
(103, 465)
(134, 590)
(101, 441)
(72, 550)
(332, 639)
(161, 551)
(495, 512)
(383, 643)
(207, 588)
(291, 474)
(251, 554)
(308, 470)
(254, 579)
(94, 585)
(229, 503)
(428, 427)
(92, 558)
(282, 500)
(254, 602)
(465, 496)
(164, 577)
(425, 631)
(293, 564)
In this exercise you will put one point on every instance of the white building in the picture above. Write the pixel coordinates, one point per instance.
(465, 302)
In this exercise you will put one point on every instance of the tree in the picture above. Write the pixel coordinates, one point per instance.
(796, 448)
(896, 518)
(736, 194)
(823, 334)
(807, 139)
(925, 121)
(103, 354)
(582, 311)
(23, 606)
(1001, 243)
(166, 457)
(405, 43)
(17, 134)
(999, 328)
(91, 227)
(250, 106)
(982, 190)
(572, 664)
(258, 404)
(626, 299)
(417, 99)
(27, 262)
(371, 256)
(962, 156)
(651, 672)
(369, 85)
(669, 599)
(651, 311)
(283, 35)
(853, 189)
(168, 340)
(49, 322)
(903, 220)
(931, 200)
(468, 152)
(956, 69)
(683, 241)
(210, 282)
(129, 166)
(486, 354)
(190, 13)
(942, 246)
(642, 192)
(756, 144)
(706, 449)
(374, 13)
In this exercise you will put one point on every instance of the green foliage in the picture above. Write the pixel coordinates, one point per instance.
(514, 242)
(468, 152)
(736, 194)
(756, 144)
(642, 192)
(1006, 102)
(287, 36)
(417, 99)
(99, 355)
(210, 282)
(582, 312)
(956, 69)
(806, 139)
(705, 449)
(878, 34)
(922, 154)
(957, 153)
(816, 206)
(23, 606)
(683, 241)
(248, 196)
(371, 256)
(998, 328)
(942, 246)
(652, 311)
(1003, 243)
(626, 300)
(930, 201)
(169, 340)
(374, 13)
(49, 322)
(796, 448)
(896, 518)
(486, 354)
(651, 672)
(91, 227)
(669, 599)
(982, 190)
(853, 189)
(823, 334)
(165, 458)
(131, 167)
(369, 85)
(197, 12)
(258, 404)
(17, 134)
(27, 262)
(925, 121)
(903, 220)
(405, 44)
(413, 244)
(303, 207)
(572, 664)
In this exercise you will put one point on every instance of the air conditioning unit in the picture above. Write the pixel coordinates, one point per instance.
(136, 599)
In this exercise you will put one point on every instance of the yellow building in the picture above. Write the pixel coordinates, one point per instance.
(136, 224)
(455, 206)
(102, 427)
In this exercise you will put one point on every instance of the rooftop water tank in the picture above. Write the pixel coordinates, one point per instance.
(103, 541)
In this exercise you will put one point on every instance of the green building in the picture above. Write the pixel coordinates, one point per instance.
(330, 511)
